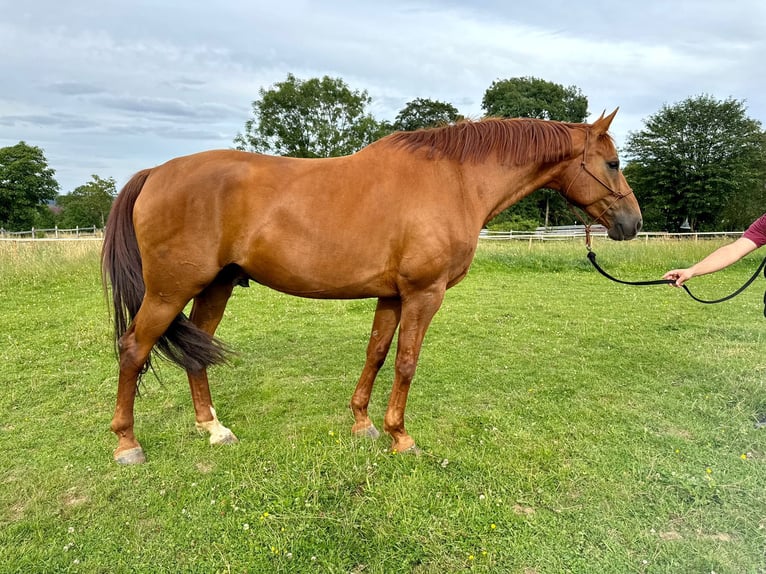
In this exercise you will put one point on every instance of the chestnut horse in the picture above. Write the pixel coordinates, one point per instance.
(398, 221)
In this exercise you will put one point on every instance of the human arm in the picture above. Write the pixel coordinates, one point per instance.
(717, 260)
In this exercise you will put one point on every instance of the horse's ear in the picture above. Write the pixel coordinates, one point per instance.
(601, 125)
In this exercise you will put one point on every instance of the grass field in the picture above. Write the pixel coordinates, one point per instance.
(569, 425)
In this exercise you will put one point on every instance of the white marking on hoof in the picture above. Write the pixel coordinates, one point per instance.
(219, 434)
(370, 432)
(131, 456)
(410, 450)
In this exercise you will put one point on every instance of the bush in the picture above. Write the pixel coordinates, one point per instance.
(512, 223)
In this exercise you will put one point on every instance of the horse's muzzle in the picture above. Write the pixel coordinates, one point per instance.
(622, 230)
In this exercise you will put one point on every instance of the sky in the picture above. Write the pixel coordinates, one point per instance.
(109, 88)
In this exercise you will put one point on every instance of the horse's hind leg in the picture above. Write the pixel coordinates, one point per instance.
(384, 325)
(151, 321)
(206, 313)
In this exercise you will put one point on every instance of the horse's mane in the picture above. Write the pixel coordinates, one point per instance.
(515, 141)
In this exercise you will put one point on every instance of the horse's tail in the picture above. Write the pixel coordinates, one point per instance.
(183, 343)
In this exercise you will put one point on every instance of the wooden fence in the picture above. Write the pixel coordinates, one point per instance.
(33, 234)
(578, 231)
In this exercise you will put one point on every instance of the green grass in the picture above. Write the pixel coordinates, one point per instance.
(569, 425)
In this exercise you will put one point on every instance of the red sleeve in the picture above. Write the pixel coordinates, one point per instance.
(757, 231)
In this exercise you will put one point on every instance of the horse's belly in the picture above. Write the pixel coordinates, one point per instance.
(323, 276)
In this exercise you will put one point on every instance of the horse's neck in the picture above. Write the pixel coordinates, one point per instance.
(494, 187)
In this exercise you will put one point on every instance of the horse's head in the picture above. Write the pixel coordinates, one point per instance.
(594, 183)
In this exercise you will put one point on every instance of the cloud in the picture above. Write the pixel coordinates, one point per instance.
(58, 121)
(157, 131)
(185, 83)
(133, 84)
(74, 88)
(166, 108)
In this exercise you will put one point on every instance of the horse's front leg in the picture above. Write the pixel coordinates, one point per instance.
(417, 311)
(207, 312)
(384, 325)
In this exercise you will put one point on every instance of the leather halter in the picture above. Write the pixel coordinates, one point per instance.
(579, 212)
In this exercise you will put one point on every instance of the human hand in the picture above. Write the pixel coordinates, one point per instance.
(678, 276)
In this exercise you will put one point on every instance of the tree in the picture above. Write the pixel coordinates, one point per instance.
(701, 160)
(425, 113)
(310, 118)
(26, 184)
(744, 207)
(89, 204)
(535, 98)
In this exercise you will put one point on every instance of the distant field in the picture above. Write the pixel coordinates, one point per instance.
(569, 425)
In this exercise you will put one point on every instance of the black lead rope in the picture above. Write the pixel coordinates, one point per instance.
(592, 257)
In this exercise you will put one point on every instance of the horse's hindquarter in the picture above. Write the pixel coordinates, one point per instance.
(357, 226)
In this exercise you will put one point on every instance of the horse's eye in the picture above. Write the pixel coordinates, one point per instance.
(613, 164)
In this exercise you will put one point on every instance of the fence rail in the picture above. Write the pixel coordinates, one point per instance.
(55, 233)
(578, 231)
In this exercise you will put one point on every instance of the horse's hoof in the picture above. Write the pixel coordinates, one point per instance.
(223, 438)
(370, 432)
(130, 456)
(413, 449)
(219, 434)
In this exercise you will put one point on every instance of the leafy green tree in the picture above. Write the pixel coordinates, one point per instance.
(46, 217)
(310, 118)
(26, 184)
(744, 207)
(425, 113)
(89, 204)
(535, 98)
(701, 159)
